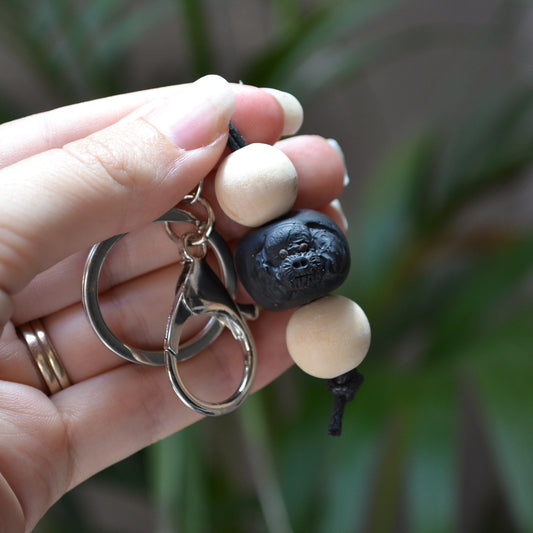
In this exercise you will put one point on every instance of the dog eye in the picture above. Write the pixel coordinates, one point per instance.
(283, 253)
(304, 247)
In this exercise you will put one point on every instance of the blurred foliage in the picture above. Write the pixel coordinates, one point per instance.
(450, 369)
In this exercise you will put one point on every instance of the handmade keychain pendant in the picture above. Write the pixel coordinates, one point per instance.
(295, 261)
(292, 260)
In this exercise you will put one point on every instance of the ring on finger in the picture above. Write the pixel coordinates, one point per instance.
(44, 355)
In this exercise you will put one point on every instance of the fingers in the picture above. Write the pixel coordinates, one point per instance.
(60, 190)
(92, 171)
(33, 436)
(137, 406)
(136, 312)
(107, 183)
(322, 166)
(140, 252)
(107, 417)
(38, 133)
(58, 288)
(150, 249)
(258, 115)
(259, 120)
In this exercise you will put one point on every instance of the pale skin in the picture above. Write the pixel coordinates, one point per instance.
(75, 176)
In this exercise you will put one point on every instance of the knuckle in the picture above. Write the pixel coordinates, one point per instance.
(101, 162)
(17, 249)
(125, 158)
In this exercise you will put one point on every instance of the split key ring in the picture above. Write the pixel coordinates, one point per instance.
(199, 292)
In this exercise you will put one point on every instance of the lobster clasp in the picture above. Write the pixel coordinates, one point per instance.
(200, 292)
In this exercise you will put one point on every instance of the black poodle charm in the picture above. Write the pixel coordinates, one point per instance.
(293, 260)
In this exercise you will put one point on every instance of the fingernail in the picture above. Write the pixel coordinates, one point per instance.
(292, 110)
(334, 144)
(336, 204)
(199, 115)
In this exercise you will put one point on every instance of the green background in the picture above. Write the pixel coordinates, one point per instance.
(432, 102)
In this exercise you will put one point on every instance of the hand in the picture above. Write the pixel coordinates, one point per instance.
(78, 175)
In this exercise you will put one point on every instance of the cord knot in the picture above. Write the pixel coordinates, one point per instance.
(344, 389)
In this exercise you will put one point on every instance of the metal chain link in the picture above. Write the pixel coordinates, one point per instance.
(204, 228)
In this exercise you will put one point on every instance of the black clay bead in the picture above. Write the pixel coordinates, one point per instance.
(293, 260)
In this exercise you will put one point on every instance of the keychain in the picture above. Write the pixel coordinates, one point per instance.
(295, 260)
(290, 259)
(199, 291)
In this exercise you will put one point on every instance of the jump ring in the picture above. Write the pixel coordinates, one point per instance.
(204, 226)
(194, 196)
(189, 242)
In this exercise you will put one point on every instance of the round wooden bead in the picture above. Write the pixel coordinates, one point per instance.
(328, 337)
(256, 184)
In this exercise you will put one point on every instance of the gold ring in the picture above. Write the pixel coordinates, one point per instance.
(44, 355)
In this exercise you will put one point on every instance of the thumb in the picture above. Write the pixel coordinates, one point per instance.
(63, 200)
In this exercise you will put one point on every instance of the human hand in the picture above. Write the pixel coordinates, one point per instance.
(78, 175)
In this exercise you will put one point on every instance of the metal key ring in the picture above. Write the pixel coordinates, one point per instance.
(90, 284)
(242, 334)
(202, 293)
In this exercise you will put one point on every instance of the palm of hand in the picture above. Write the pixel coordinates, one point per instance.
(76, 170)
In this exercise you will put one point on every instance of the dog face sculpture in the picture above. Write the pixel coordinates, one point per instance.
(293, 260)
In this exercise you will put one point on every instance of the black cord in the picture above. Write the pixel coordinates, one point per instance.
(344, 389)
(235, 139)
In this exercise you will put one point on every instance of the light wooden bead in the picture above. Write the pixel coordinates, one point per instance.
(256, 184)
(328, 337)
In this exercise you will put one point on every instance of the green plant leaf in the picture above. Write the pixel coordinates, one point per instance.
(351, 465)
(349, 488)
(198, 35)
(32, 30)
(300, 474)
(325, 24)
(432, 468)
(259, 454)
(477, 302)
(490, 146)
(178, 483)
(288, 15)
(340, 61)
(120, 35)
(386, 224)
(387, 485)
(501, 369)
(92, 18)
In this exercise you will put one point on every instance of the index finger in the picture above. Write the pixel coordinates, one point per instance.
(38, 133)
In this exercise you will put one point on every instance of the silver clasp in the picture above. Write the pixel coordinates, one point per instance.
(200, 292)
